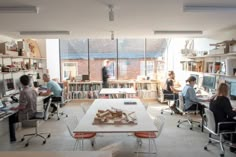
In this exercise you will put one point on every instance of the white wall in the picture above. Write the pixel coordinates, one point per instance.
(52, 51)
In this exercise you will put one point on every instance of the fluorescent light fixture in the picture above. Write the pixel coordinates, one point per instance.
(45, 33)
(178, 32)
(19, 9)
(208, 8)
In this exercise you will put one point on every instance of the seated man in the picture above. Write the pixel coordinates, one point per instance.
(170, 89)
(27, 106)
(52, 87)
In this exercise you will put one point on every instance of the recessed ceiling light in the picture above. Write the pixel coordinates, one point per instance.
(45, 33)
(178, 32)
(19, 9)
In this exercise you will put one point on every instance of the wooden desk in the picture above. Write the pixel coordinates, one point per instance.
(56, 154)
(144, 122)
(119, 91)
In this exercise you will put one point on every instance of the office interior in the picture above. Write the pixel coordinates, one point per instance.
(142, 41)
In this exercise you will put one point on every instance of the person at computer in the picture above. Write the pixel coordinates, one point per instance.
(27, 105)
(52, 88)
(105, 74)
(192, 102)
(223, 111)
(170, 89)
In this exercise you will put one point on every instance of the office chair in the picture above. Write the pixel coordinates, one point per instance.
(71, 124)
(35, 122)
(217, 137)
(58, 101)
(169, 97)
(188, 119)
(151, 136)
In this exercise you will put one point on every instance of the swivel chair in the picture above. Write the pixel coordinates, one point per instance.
(58, 101)
(188, 118)
(170, 98)
(35, 122)
(217, 137)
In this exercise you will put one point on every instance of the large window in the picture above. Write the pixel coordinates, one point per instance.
(129, 58)
(75, 52)
(100, 50)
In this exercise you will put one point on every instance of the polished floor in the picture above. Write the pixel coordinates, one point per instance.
(172, 142)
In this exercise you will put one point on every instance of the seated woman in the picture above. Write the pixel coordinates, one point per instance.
(27, 105)
(191, 102)
(223, 111)
(170, 89)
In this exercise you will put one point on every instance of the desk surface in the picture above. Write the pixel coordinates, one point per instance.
(144, 122)
(56, 154)
(117, 91)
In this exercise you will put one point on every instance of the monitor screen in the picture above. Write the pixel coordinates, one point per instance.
(9, 86)
(233, 90)
(209, 82)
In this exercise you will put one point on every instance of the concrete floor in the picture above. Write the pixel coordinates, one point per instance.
(172, 142)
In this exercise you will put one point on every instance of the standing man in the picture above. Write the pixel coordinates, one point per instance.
(52, 87)
(105, 74)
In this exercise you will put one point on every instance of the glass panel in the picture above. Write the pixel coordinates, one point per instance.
(74, 58)
(155, 49)
(100, 50)
(131, 52)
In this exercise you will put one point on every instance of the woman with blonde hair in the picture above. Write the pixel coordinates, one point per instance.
(223, 111)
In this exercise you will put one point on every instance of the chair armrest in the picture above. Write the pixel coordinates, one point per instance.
(225, 123)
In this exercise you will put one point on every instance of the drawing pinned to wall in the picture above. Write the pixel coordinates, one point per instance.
(34, 48)
(188, 48)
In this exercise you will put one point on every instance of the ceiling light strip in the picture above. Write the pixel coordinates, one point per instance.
(45, 33)
(19, 9)
(178, 32)
(196, 8)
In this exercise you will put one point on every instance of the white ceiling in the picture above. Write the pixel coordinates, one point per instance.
(133, 18)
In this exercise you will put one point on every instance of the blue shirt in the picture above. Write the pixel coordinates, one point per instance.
(55, 88)
(190, 97)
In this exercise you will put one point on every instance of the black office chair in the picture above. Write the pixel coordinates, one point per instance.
(58, 101)
(170, 98)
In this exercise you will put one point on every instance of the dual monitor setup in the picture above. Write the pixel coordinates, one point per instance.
(209, 83)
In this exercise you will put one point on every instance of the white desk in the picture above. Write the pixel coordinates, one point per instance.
(56, 154)
(144, 122)
(120, 91)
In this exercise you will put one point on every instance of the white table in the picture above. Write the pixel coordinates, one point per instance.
(144, 122)
(119, 91)
(56, 154)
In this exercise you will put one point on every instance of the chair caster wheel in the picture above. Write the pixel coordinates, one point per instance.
(190, 128)
(199, 126)
(44, 142)
(49, 135)
(205, 148)
(171, 113)
(22, 139)
(58, 118)
(178, 126)
(222, 155)
(209, 141)
(66, 115)
(161, 112)
(27, 144)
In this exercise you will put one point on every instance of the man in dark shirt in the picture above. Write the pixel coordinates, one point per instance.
(105, 74)
(171, 92)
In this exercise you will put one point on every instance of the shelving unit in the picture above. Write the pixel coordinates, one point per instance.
(90, 90)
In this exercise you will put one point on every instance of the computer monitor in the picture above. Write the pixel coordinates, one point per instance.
(233, 90)
(85, 77)
(9, 86)
(209, 82)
